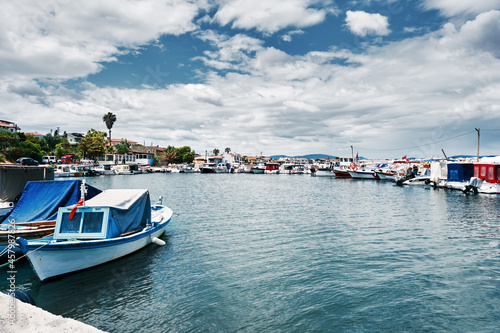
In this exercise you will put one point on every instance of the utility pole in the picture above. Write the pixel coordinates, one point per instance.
(478, 136)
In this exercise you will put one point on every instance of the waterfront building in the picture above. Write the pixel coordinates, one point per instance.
(9, 126)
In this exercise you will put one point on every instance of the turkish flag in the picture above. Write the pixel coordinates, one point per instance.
(404, 157)
(73, 210)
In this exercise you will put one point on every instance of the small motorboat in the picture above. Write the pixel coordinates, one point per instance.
(111, 225)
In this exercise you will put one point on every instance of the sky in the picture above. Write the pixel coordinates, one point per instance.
(293, 77)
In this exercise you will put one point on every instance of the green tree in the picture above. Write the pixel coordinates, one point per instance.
(7, 139)
(51, 141)
(216, 151)
(92, 145)
(123, 147)
(63, 148)
(30, 149)
(227, 150)
(185, 155)
(109, 119)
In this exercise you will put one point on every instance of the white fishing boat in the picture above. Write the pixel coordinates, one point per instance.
(286, 169)
(221, 168)
(322, 170)
(122, 169)
(258, 168)
(342, 167)
(104, 169)
(111, 225)
(208, 168)
(363, 173)
(298, 170)
(67, 170)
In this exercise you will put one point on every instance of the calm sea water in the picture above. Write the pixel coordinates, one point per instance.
(285, 253)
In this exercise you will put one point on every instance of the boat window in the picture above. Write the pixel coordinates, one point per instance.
(70, 226)
(491, 173)
(87, 223)
(92, 222)
(483, 171)
(476, 171)
(498, 173)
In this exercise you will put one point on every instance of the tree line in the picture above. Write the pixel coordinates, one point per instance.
(92, 146)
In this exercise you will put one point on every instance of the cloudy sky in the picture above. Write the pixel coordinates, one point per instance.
(388, 77)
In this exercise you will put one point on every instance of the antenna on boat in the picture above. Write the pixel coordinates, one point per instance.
(83, 191)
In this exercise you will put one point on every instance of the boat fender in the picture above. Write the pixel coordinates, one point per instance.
(157, 241)
(22, 295)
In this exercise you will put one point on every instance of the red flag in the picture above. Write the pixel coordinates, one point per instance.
(356, 155)
(73, 210)
(404, 157)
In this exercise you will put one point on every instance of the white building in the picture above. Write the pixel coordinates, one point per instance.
(8, 126)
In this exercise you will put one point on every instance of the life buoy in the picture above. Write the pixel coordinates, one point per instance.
(353, 166)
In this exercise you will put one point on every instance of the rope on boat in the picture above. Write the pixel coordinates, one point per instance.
(21, 257)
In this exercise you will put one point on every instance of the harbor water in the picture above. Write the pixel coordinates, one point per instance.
(293, 253)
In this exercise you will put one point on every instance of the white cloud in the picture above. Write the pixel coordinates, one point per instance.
(452, 7)
(404, 93)
(361, 23)
(481, 34)
(65, 39)
(269, 16)
(288, 36)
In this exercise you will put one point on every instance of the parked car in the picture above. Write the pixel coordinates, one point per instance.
(26, 161)
(49, 160)
(67, 159)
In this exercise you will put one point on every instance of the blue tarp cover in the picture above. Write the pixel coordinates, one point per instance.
(460, 172)
(40, 200)
(130, 209)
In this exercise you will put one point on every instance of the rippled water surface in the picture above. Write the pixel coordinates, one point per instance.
(281, 253)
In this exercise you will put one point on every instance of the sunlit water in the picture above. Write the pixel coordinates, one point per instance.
(281, 253)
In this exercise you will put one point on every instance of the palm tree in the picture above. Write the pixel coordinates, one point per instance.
(109, 118)
(168, 157)
(216, 151)
(227, 150)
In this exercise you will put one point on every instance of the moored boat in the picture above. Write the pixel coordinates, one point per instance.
(258, 168)
(486, 176)
(67, 170)
(104, 169)
(362, 173)
(109, 226)
(208, 168)
(342, 167)
(272, 168)
(222, 168)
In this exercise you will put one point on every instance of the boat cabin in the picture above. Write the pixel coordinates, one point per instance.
(271, 166)
(110, 214)
(460, 172)
(487, 172)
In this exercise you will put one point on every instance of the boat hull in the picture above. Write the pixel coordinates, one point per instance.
(323, 173)
(360, 174)
(342, 174)
(50, 259)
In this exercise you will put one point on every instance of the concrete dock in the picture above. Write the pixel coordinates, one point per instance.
(16, 316)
